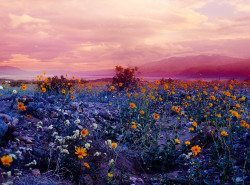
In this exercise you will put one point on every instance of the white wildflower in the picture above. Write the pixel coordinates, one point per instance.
(31, 163)
(64, 151)
(76, 133)
(68, 137)
(50, 127)
(55, 133)
(19, 153)
(13, 156)
(87, 145)
(39, 123)
(18, 174)
(9, 173)
(14, 91)
(111, 162)
(77, 121)
(67, 122)
(39, 127)
(97, 153)
(189, 154)
(95, 125)
(108, 142)
(1, 87)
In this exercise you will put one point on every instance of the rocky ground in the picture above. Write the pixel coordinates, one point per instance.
(30, 141)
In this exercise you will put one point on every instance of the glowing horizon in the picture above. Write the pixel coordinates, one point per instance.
(99, 34)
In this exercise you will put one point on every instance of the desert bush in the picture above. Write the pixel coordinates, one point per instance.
(125, 77)
(57, 84)
(15, 83)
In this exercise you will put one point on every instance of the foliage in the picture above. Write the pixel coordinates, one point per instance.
(125, 77)
(57, 84)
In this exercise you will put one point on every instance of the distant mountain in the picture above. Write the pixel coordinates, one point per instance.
(201, 65)
(9, 70)
(205, 66)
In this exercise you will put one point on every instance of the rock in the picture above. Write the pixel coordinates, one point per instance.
(105, 114)
(239, 179)
(88, 180)
(51, 99)
(26, 139)
(38, 152)
(25, 99)
(1, 172)
(6, 118)
(40, 105)
(3, 128)
(45, 121)
(74, 105)
(189, 124)
(120, 137)
(247, 180)
(7, 150)
(5, 107)
(15, 133)
(53, 114)
(85, 104)
(137, 181)
(246, 138)
(36, 172)
(207, 136)
(95, 112)
(6, 97)
(15, 121)
(173, 175)
(92, 120)
(80, 127)
(24, 124)
(81, 116)
(182, 157)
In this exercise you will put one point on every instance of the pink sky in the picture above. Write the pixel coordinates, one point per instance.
(99, 34)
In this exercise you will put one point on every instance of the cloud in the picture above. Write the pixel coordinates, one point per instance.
(103, 33)
(18, 20)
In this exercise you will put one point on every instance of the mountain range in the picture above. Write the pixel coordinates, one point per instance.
(213, 66)
(202, 65)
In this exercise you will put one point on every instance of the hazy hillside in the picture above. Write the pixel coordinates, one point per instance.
(192, 66)
(188, 67)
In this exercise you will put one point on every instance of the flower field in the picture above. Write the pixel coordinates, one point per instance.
(75, 132)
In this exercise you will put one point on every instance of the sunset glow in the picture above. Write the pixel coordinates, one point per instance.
(99, 34)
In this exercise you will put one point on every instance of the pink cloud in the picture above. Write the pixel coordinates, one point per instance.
(105, 33)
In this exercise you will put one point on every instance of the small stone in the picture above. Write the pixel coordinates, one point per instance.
(136, 180)
(3, 128)
(80, 127)
(6, 118)
(36, 172)
(239, 179)
(38, 152)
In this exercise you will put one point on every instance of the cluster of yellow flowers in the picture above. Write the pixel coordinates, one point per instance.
(6, 160)
(21, 106)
